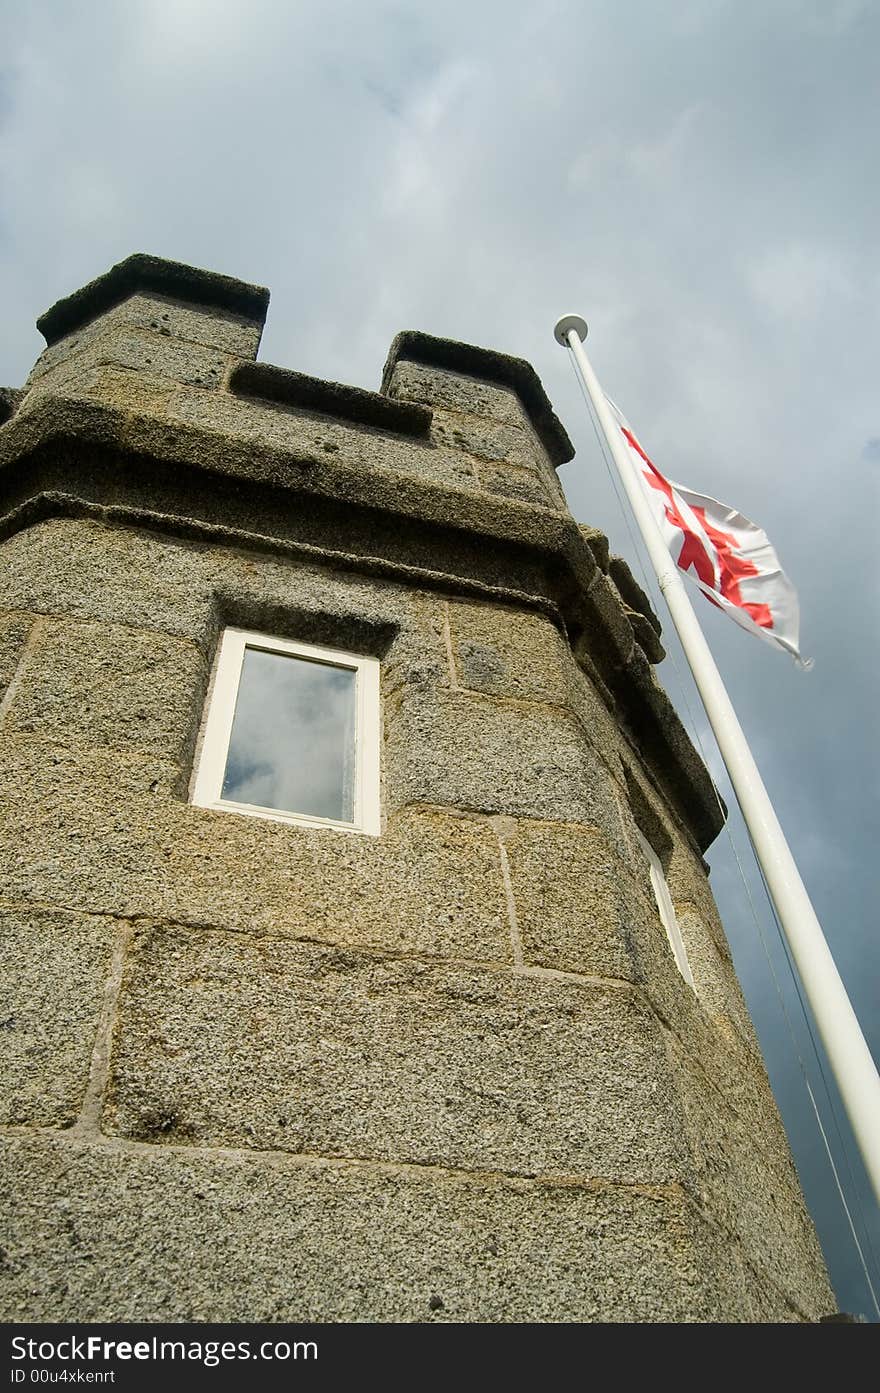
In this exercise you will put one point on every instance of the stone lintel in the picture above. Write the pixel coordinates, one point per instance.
(515, 373)
(295, 389)
(141, 272)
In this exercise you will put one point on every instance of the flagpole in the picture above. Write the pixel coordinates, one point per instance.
(848, 1054)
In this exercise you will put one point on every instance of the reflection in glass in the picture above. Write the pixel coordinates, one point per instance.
(292, 743)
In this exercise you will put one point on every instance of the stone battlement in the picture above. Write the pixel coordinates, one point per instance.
(156, 361)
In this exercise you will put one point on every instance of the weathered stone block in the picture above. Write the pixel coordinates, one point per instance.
(753, 1192)
(689, 884)
(572, 907)
(496, 756)
(644, 813)
(456, 392)
(179, 360)
(431, 883)
(659, 971)
(511, 482)
(116, 576)
(644, 810)
(509, 459)
(715, 979)
(322, 439)
(497, 442)
(594, 715)
(507, 652)
(717, 989)
(597, 541)
(730, 1063)
(769, 1305)
(89, 570)
(579, 911)
(107, 685)
(216, 328)
(54, 967)
(132, 391)
(94, 830)
(147, 351)
(98, 1233)
(709, 1022)
(230, 1041)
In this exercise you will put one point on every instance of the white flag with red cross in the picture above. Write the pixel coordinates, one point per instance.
(726, 555)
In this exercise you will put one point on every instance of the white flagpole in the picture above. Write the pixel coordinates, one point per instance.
(847, 1049)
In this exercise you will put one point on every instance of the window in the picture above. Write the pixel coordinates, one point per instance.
(667, 911)
(292, 733)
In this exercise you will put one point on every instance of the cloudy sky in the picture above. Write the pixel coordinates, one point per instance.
(697, 177)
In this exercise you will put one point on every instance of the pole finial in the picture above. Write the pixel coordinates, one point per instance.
(567, 323)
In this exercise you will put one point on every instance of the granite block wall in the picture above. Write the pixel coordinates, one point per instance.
(258, 1071)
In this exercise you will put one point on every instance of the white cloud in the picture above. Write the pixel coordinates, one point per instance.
(664, 157)
(416, 158)
(796, 281)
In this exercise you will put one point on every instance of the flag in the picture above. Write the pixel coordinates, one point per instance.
(726, 555)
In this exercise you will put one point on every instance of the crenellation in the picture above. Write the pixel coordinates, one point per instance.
(201, 291)
(456, 393)
(491, 383)
(297, 390)
(486, 421)
(321, 441)
(146, 318)
(114, 354)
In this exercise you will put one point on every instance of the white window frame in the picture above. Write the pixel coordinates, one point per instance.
(667, 910)
(220, 712)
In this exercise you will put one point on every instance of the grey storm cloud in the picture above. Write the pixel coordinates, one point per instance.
(697, 179)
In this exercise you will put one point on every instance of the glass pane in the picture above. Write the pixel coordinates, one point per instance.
(292, 742)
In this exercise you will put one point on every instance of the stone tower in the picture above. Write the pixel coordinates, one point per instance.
(360, 960)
